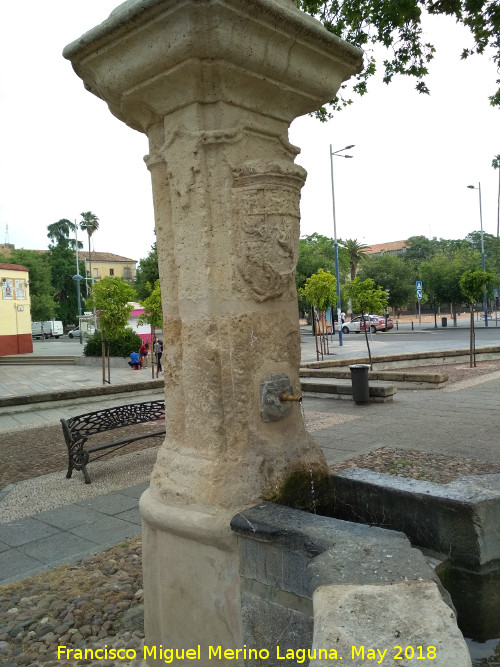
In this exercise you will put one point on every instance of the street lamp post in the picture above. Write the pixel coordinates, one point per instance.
(78, 277)
(335, 244)
(483, 263)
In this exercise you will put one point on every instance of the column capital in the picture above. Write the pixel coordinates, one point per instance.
(151, 58)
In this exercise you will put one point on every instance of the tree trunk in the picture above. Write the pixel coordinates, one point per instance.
(103, 353)
(367, 343)
(472, 339)
(109, 364)
(152, 352)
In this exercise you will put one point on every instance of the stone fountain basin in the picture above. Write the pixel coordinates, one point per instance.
(459, 520)
(311, 582)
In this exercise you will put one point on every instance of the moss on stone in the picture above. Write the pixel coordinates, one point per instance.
(304, 490)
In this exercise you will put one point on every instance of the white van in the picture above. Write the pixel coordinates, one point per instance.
(49, 329)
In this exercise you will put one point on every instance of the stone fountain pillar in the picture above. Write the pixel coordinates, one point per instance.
(215, 85)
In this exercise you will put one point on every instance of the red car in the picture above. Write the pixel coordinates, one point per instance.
(382, 323)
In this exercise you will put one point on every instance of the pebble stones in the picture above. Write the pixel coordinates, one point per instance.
(95, 602)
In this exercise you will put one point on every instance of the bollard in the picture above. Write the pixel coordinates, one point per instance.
(359, 379)
(412, 325)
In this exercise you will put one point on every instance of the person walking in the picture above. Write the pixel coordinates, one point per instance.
(158, 351)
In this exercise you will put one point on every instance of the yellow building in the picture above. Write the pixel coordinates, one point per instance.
(15, 313)
(105, 264)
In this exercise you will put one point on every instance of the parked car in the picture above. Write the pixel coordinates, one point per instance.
(390, 323)
(48, 329)
(377, 323)
(87, 331)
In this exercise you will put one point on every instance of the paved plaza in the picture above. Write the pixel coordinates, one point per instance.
(48, 519)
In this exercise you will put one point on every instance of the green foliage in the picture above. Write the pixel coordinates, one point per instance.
(89, 223)
(120, 345)
(476, 283)
(367, 297)
(394, 275)
(397, 26)
(147, 272)
(420, 249)
(63, 268)
(61, 234)
(153, 313)
(316, 252)
(319, 289)
(355, 252)
(491, 250)
(110, 297)
(43, 306)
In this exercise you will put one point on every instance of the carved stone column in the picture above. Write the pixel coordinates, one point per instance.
(215, 84)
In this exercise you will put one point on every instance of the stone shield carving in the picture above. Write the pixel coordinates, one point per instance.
(266, 197)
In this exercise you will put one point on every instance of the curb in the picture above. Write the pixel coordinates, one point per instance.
(104, 390)
(489, 352)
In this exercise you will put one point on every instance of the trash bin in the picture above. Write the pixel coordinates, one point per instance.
(444, 321)
(359, 379)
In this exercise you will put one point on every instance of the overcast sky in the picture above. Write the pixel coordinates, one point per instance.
(62, 152)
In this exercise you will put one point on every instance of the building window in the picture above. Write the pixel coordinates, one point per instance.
(111, 272)
(96, 274)
(127, 272)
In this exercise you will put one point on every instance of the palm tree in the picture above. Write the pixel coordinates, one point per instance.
(355, 252)
(90, 224)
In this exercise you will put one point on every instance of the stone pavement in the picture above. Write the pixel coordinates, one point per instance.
(55, 536)
(48, 520)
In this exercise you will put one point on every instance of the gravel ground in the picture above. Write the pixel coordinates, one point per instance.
(414, 464)
(91, 604)
(45, 450)
(98, 601)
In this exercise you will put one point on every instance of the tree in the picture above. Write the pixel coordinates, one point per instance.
(397, 26)
(320, 288)
(366, 297)
(61, 234)
(320, 292)
(420, 249)
(62, 268)
(438, 282)
(394, 275)
(316, 252)
(110, 297)
(473, 285)
(43, 306)
(90, 224)
(491, 249)
(153, 312)
(355, 252)
(147, 272)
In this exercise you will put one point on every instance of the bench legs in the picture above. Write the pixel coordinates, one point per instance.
(78, 461)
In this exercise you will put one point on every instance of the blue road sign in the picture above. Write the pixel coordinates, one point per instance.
(419, 294)
(418, 284)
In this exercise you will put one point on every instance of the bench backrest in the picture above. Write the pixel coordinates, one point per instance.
(82, 426)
